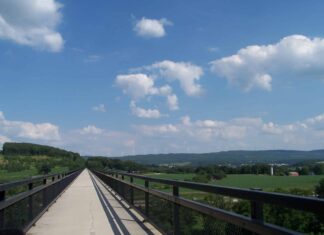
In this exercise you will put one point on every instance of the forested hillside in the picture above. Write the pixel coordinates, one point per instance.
(231, 157)
(27, 149)
(21, 160)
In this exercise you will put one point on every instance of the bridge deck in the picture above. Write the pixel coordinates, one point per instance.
(88, 207)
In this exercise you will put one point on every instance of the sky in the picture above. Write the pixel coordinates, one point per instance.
(118, 78)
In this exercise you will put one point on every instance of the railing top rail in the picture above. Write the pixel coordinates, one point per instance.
(310, 204)
(256, 225)
(18, 197)
(10, 185)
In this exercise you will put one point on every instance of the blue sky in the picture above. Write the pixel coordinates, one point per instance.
(131, 77)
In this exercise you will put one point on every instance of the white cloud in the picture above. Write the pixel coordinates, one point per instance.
(139, 86)
(151, 28)
(91, 130)
(172, 102)
(316, 119)
(144, 113)
(32, 23)
(157, 130)
(136, 85)
(100, 108)
(186, 74)
(28, 130)
(255, 67)
(202, 135)
(238, 133)
(92, 140)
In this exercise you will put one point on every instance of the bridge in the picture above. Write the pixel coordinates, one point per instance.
(93, 203)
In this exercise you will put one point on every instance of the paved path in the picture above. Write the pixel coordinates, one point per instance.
(88, 207)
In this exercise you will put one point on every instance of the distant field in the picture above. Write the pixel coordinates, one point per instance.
(266, 182)
(269, 183)
(13, 176)
(19, 175)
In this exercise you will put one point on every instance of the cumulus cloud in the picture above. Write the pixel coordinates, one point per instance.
(92, 130)
(187, 74)
(28, 130)
(100, 108)
(151, 28)
(144, 113)
(139, 86)
(32, 23)
(91, 140)
(172, 102)
(255, 66)
(186, 135)
(158, 129)
(238, 133)
(136, 85)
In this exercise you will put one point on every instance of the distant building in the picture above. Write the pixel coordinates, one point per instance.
(271, 170)
(293, 173)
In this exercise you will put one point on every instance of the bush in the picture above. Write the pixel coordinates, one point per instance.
(201, 178)
(44, 168)
(319, 189)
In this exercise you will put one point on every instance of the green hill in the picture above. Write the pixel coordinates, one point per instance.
(230, 157)
(21, 160)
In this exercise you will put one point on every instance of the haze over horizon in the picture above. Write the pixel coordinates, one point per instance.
(113, 79)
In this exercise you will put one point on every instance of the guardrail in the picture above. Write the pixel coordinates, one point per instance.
(254, 223)
(19, 211)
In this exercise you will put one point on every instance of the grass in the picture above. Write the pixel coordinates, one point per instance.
(19, 175)
(266, 182)
(269, 183)
(13, 176)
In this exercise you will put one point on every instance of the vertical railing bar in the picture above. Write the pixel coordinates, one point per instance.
(257, 208)
(30, 202)
(176, 226)
(2, 198)
(131, 191)
(44, 194)
(147, 199)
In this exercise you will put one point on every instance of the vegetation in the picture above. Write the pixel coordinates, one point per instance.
(22, 160)
(101, 163)
(319, 189)
(27, 149)
(230, 157)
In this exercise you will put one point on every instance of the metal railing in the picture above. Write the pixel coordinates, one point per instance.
(23, 202)
(123, 184)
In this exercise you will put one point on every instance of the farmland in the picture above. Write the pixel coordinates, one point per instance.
(266, 182)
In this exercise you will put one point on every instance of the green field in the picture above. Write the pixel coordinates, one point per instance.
(266, 182)
(269, 183)
(6, 176)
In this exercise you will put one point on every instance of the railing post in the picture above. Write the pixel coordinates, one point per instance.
(131, 191)
(44, 193)
(147, 199)
(257, 208)
(2, 198)
(53, 178)
(176, 227)
(30, 202)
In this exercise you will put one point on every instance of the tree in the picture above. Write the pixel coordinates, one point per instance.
(319, 169)
(44, 168)
(319, 189)
(304, 170)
